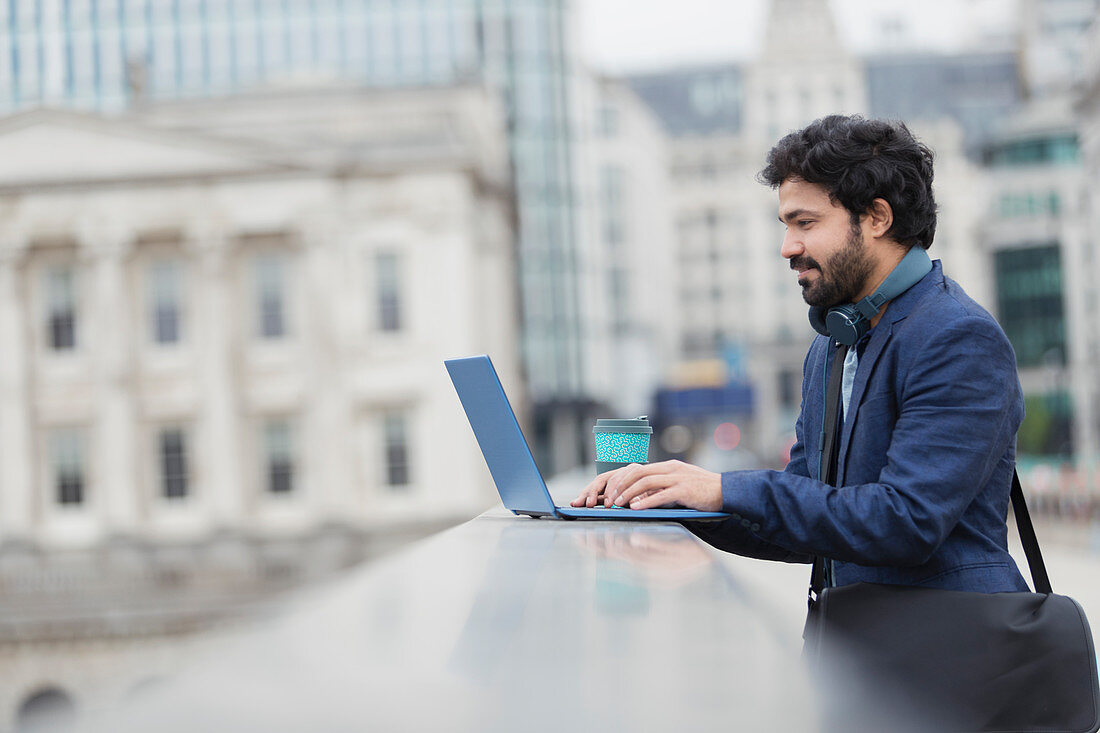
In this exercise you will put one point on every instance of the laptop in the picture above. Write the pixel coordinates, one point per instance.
(509, 458)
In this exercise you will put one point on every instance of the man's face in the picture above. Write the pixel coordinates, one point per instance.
(823, 245)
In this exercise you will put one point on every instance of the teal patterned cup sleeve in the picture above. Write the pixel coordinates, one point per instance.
(622, 441)
(622, 447)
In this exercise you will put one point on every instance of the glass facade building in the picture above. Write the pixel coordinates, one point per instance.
(1031, 308)
(102, 53)
(109, 55)
(1045, 296)
(1029, 303)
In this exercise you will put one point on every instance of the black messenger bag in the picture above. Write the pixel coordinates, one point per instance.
(905, 658)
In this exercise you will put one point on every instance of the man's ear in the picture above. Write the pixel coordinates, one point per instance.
(880, 217)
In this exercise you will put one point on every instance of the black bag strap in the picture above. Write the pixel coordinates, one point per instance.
(1034, 556)
(830, 452)
(830, 447)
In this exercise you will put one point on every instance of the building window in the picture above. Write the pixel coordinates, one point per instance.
(1030, 303)
(395, 431)
(387, 268)
(61, 308)
(270, 276)
(805, 106)
(278, 457)
(1053, 203)
(611, 195)
(173, 463)
(1035, 203)
(47, 709)
(66, 447)
(165, 280)
(607, 120)
(1053, 150)
(618, 291)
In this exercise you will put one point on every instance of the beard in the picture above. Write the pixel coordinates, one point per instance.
(843, 276)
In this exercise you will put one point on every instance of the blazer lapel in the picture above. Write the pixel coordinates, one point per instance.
(864, 370)
(897, 310)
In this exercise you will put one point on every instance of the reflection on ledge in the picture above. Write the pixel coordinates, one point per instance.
(506, 624)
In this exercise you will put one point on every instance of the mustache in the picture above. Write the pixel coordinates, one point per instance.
(803, 262)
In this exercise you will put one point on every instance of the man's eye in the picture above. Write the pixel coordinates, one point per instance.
(805, 222)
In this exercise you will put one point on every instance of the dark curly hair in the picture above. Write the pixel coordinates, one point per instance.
(858, 160)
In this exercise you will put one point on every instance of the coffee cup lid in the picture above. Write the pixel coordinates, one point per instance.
(625, 425)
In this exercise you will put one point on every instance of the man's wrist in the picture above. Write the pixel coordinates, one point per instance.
(728, 490)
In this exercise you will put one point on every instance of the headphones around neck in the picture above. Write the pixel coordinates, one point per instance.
(848, 323)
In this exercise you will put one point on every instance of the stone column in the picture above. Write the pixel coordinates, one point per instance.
(16, 445)
(116, 437)
(326, 422)
(1081, 351)
(218, 352)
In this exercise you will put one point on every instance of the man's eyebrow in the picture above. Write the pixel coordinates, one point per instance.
(794, 214)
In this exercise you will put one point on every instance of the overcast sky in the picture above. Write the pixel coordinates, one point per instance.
(634, 35)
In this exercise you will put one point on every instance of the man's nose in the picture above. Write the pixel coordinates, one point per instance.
(792, 246)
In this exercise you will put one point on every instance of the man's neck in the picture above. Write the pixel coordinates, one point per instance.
(891, 256)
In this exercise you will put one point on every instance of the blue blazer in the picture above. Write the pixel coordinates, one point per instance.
(927, 452)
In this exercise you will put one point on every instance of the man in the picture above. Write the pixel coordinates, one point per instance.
(931, 399)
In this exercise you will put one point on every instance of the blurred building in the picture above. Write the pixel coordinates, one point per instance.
(741, 332)
(976, 90)
(742, 319)
(1036, 230)
(113, 54)
(1053, 43)
(633, 294)
(742, 329)
(1087, 108)
(1036, 233)
(223, 358)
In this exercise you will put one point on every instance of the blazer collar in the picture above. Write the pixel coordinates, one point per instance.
(902, 305)
(896, 310)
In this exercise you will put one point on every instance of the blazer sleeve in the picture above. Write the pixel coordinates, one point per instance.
(797, 464)
(958, 412)
(735, 535)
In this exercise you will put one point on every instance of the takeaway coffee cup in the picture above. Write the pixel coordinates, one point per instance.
(621, 442)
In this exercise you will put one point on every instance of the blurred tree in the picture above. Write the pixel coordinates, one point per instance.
(1032, 436)
(1046, 430)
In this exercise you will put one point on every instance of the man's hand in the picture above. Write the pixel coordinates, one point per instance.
(654, 485)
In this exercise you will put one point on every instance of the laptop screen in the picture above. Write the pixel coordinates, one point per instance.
(498, 434)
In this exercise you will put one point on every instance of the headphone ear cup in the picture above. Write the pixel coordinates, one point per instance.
(846, 324)
(817, 320)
